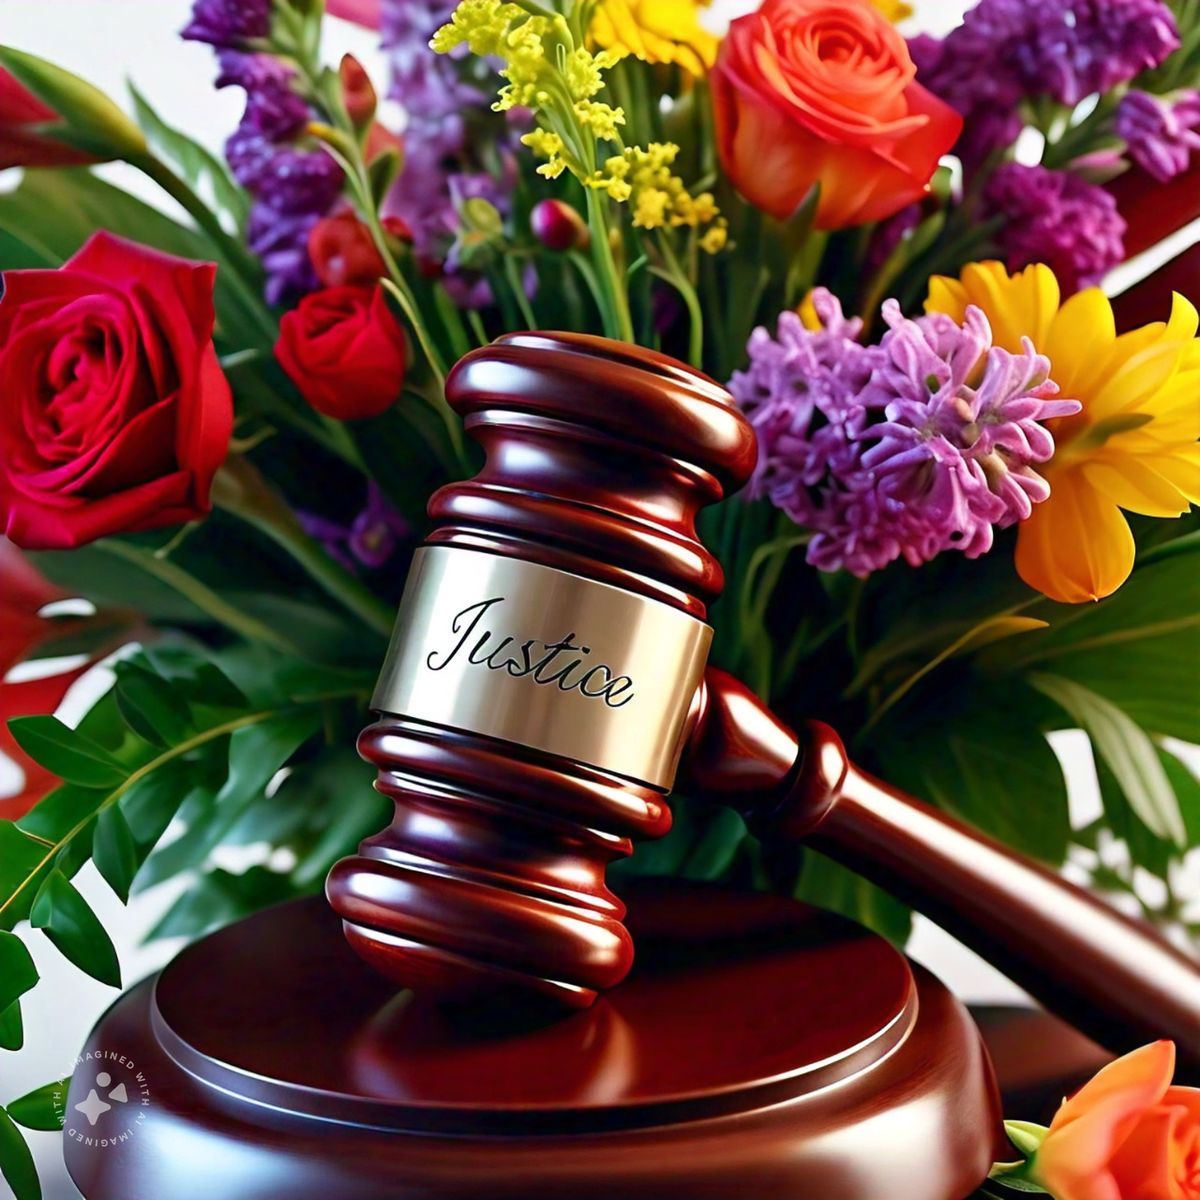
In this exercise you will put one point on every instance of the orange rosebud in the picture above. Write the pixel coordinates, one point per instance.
(825, 91)
(1125, 1135)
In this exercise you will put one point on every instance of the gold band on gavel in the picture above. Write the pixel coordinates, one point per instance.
(546, 659)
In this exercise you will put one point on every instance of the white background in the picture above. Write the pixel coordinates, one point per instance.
(108, 42)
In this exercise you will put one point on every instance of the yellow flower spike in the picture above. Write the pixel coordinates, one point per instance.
(1132, 447)
(656, 31)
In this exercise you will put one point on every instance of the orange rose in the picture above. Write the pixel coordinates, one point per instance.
(825, 91)
(1126, 1135)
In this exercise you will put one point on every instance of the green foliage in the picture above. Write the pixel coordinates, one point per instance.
(42, 1108)
(198, 166)
(189, 740)
(16, 1162)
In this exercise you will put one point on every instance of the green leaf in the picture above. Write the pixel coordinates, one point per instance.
(1027, 1137)
(17, 972)
(151, 803)
(22, 254)
(12, 1028)
(1128, 751)
(66, 752)
(24, 863)
(42, 1108)
(114, 852)
(203, 170)
(828, 884)
(16, 1162)
(153, 709)
(61, 812)
(74, 929)
(221, 897)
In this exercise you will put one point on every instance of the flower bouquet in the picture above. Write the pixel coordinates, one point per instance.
(969, 527)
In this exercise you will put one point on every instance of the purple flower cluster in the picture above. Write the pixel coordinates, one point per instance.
(1056, 218)
(292, 187)
(1006, 50)
(369, 540)
(228, 23)
(1161, 134)
(924, 443)
(443, 141)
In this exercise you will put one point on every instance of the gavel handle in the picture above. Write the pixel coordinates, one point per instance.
(1114, 979)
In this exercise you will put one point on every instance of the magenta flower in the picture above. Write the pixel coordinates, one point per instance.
(228, 23)
(1056, 218)
(925, 443)
(1160, 133)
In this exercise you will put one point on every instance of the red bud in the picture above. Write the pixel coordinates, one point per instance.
(358, 92)
(558, 226)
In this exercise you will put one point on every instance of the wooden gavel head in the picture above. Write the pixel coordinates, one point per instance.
(546, 669)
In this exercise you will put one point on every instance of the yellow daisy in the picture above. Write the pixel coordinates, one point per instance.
(1134, 444)
(656, 31)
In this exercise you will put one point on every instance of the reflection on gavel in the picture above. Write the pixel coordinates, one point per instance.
(547, 677)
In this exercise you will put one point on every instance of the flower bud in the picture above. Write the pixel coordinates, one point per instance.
(49, 117)
(558, 226)
(343, 252)
(358, 92)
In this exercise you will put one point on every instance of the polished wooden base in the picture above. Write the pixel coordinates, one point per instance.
(759, 1049)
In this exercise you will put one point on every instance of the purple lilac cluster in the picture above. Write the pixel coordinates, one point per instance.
(1056, 218)
(369, 540)
(1161, 133)
(292, 187)
(1006, 50)
(441, 144)
(924, 443)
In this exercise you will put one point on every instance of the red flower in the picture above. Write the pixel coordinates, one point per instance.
(23, 593)
(345, 352)
(343, 252)
(825, 91)
(22, 144)
(115, 413)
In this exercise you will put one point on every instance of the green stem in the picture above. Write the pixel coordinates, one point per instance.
(676, 276)
(243, 274)
(513, 274)
(618, 321)
(200, 594)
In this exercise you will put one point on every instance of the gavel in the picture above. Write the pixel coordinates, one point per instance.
(547, 679)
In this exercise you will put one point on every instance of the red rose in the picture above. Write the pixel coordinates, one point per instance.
(344, 350)
(343, 252)
(115, 413)
(21, 142)
(825, 91)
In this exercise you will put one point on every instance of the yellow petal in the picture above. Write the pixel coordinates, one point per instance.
(1077, 342)
(1134, 484)
(1076, 545)
(947, 296)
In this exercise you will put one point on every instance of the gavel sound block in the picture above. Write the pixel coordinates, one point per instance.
(546, 680)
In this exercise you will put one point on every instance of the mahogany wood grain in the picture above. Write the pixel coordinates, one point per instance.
(1113, 978)
(491, 876)
(758, 1049)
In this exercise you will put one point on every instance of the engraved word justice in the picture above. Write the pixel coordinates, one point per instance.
(491, 650)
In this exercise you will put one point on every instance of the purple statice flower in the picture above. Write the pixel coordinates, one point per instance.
(450, 123)
(280, 242)
(1006, 50)
(1160, 133)
(1056, 218)
(228, 22)
(369, 540)
(292, 187)
(924, 443)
